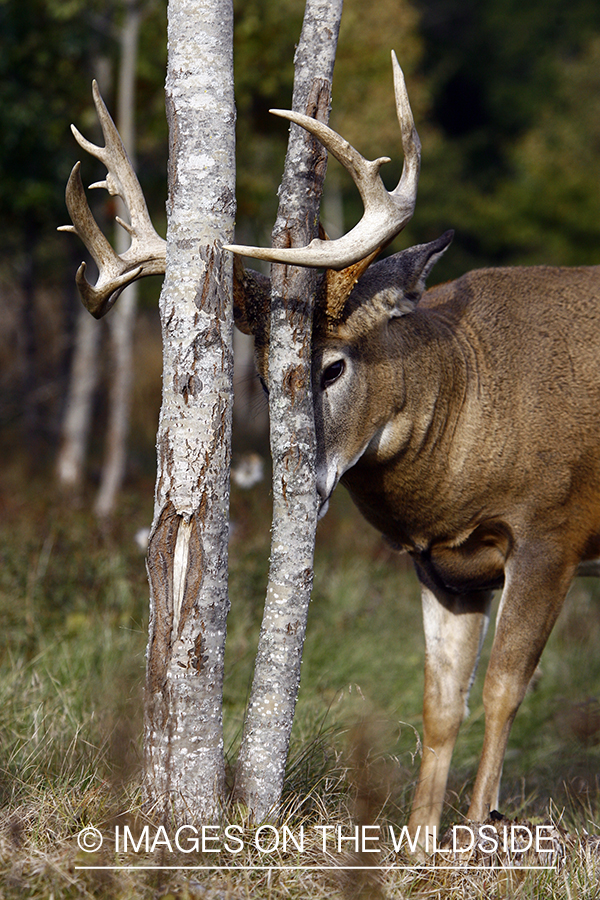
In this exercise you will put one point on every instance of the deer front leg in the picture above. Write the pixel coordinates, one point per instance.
(534, 592)
(454, 627)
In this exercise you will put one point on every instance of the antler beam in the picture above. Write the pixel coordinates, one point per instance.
(386, 213)
(146, 254)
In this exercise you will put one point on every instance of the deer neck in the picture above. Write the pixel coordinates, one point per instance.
(416, 454)
(430, 377)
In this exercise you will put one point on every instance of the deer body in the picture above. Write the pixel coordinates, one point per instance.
(466, 429)
(464, 423)
(489, 394)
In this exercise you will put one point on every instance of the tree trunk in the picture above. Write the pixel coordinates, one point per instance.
(122, 320)
(187, 554)
(78, 411)
(265, 741)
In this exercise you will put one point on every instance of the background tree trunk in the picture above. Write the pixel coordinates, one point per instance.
(265, 741)
(122, 320)
(77, 420)
(84, 368)
(187, 555)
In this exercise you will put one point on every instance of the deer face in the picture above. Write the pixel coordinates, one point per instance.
(358, 382)
(341, 399)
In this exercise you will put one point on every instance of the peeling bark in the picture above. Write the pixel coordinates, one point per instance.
(261, 763)
(187, 555)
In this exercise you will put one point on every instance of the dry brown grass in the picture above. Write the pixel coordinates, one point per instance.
(39, 858)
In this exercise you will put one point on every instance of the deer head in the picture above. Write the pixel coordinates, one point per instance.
(351, 418)
(350, 292)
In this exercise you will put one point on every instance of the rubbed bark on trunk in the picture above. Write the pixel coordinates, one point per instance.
(122, 319)
(187, 555)
(261, 763)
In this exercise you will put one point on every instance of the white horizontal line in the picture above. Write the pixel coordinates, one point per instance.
(390, 868)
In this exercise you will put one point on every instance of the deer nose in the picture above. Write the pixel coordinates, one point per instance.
(323, 499)
(323, 507)
(326, 481)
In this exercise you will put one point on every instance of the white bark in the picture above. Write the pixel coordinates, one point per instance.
(261, 764)
(122, 319)
(187, 556)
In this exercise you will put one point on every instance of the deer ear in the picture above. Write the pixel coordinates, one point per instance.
(419, 262)
(394, 286)
(251, 299)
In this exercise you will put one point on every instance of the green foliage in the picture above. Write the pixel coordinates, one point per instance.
(51, 51)
(505, 99)
(549, 208)
(489, 84)
(512, 165)
(493, 64)
(363, 96)
(42, 87)
(264, 40)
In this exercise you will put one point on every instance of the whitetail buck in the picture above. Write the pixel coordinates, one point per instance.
(465, 423)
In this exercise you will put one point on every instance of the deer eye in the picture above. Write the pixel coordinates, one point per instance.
(332, 373)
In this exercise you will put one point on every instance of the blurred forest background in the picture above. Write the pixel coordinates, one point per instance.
(506, 96)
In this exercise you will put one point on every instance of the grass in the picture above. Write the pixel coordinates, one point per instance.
(73, 601)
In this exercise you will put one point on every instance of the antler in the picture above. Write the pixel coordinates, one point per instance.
(147, 253)
(386, 213)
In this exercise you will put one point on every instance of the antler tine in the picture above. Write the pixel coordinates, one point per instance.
(147, 253)
(411, 145)
(113, 275)
(386, 213)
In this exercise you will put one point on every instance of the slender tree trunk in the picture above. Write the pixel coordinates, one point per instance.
(187, 555)
(122, 319)
(84, 373)
(265, 741)
(78, 411)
